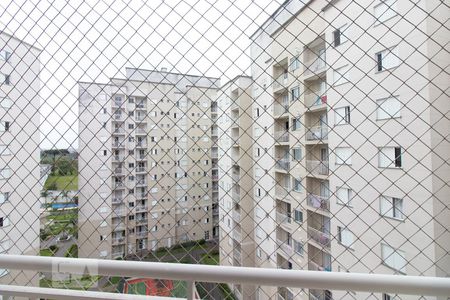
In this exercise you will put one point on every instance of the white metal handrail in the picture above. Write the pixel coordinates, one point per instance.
(413, 285)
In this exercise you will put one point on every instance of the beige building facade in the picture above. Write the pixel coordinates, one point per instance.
(19, 154)
(146, 168)
(350, 168)
(237, 248)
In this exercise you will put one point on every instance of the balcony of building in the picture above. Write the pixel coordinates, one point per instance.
(118, 183)
(118, 142)
(140, 103)
(282, 159)
(236, 214)
(281, 106)
(118, 130)
(214, 152)
(318, 203)
(318, 260)
(118, 251)
(314, 57)
(283, 214)
(141, 206)
(281, 131)
(141, 130)
(118, 115)
(215, 175)
(319, 229)
(214, 107)
(282, 186)
(316, 94)
(285, 293)
(118, 238)
(280, 76)
(284, 242)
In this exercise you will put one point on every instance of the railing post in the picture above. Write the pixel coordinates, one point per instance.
(190, 290)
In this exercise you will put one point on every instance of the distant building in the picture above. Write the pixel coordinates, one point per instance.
(19, 159)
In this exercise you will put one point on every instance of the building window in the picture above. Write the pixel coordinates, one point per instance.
(258, 252)
(388, 108)
(345, 236)
(5, 79)
(4, 221)
(295, 93)
(298, 216)
(6, 102)
(390, 157)
(338, 36)
(4, 126)
(391, 207)
(4, 197)
(387, 59)
(5, 55)
(297, 185)
(393, 258)
(4, 150)
(342, 115)
(296, 124)
(298, 247)
(385, 11)
(343, 196)
(297, 153)
(343, 155)
(294, 63)
(341, 75)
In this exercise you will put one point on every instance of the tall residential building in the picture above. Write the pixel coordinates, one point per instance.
(351, 112)
(234, 101)
(19, 154)
(145, 164)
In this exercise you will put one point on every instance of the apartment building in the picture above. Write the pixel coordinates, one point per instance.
(19, 155)
(145, 162)
(235, 102)
(353, 149)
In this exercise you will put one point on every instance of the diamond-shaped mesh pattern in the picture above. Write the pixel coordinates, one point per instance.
(305, 135)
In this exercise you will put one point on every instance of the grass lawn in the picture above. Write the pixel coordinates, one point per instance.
(80, 283)
(210, 259)
(67, 183)
(46, 252)
(63, 217)
(72, 251)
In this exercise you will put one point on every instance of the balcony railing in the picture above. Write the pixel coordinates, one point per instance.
(118, 184)
(315, 66)
(283, 218)
(141, 169)
(282, 191)
(118, 240)
(118, 171)
(118, 157)
(320, 237)
(280, 109)
(140, 131)
(317, 167)
(141, 234)
(283, 164)
(141, 144)
(372, 283)
(319, 202)
(283, 245)
(141, 208)
(119, 131)
(281, 82)
(281, 136)
(312, 266)
(118, 226)
(139, 118)
(315, 99)
(317, 133)
(117, 200)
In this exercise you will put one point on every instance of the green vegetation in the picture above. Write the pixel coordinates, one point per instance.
(64, 217)
(72, 251)
(64, 183)
(210, 258)
(138, 288)
(226, 292)
(50, 251)
(79, 283)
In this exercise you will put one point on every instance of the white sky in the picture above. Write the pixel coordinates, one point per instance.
(94, 40)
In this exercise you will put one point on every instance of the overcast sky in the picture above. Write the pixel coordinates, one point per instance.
(94, 40)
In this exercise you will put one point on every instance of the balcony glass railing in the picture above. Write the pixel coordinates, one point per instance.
(320, 237)
(315, 65)
(317, 167)
(318, 202)
(280, 109)
(283, 164)
(281, 136)
(317, 133)
(315, 98)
